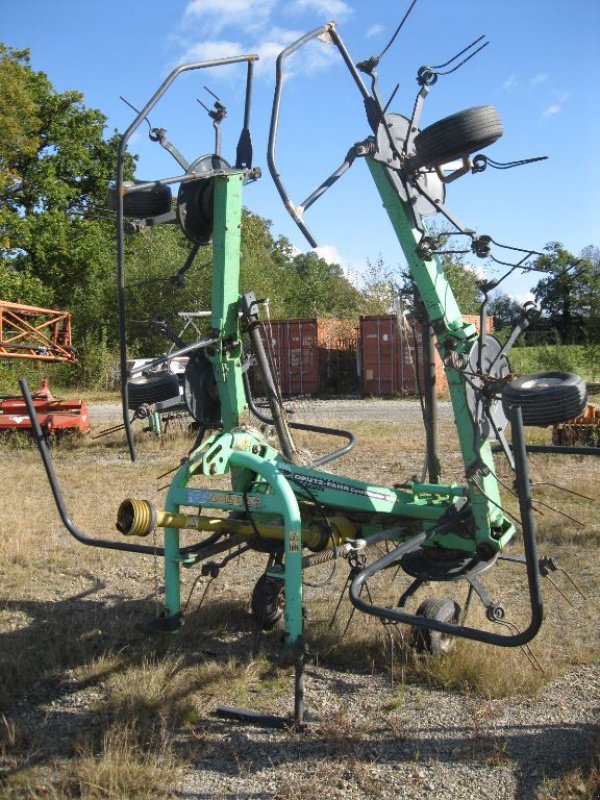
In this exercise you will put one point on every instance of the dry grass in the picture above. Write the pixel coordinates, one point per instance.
(579, 784)
(119, 769)
(72, 619)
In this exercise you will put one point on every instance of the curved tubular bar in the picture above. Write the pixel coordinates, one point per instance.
(337, 40)
(304, 427)
(58, 498)
(531, 562)
(328, 182)
(197, 345)
(296, 213)
(292, 527)
(120, 216)
(60, 503)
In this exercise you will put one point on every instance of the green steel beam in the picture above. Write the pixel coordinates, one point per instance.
(453, 336)
(225, 293)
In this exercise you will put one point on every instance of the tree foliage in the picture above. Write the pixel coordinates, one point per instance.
(56, 243)
(463, 281)
(569, 297)
(380, 288)
(505, 310)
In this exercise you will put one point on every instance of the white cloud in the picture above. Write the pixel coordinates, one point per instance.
(269, 48)
(541, 77)
(337, 9)
(205, 20)
(375, 30)
(511, 83)
(216, 15)
(553, 109)
(207, 50)
(317, 57)
(329, 253)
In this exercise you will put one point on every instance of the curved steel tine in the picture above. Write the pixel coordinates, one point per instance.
(458, 55)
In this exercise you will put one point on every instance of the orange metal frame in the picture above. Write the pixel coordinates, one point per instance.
(35, 333)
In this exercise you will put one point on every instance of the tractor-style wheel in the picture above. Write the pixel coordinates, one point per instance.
(546, 398)
(152, 390)
(457, 135)
(267, 602)
(150, 202)
(200, 392)
(423, 640)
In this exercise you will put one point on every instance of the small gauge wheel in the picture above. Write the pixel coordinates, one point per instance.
(546, 398)
(149, 202)
(152, 390)
(458, 135)
(267, 602)
(425, 641)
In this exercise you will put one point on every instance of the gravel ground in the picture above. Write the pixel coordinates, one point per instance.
(308, 410)
(435, 744)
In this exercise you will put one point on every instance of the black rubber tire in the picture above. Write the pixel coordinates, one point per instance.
(458, 135)
(150, 202)
(152, 390)
(200, 392)
(546, 398)
(267, 602)
(195, 199)
(424, 641)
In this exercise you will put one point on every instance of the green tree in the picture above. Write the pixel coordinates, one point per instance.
(322, 290)
(464, 283)
(56, 241)
(505, 310)
(267, 265)
(569, 296)
(153, 258)
(379, 288)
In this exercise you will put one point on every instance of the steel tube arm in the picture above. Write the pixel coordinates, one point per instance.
(296, 212)
(189, 348)
(275, 123)
(328, 182)
(58, 498)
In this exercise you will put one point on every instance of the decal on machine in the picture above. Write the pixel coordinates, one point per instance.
(294, 542)
(314, 482)
(203, 497)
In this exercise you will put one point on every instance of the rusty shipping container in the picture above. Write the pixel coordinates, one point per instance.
(312, 356)
(391, 356)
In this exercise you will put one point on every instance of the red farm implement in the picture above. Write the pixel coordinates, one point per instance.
(39, 334)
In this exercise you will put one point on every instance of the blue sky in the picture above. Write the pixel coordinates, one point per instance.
(541, 71)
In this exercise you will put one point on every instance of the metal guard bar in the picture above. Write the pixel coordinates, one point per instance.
(531, 562)
(62, 509)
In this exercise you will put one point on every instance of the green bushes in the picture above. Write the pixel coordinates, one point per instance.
(584, 360)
